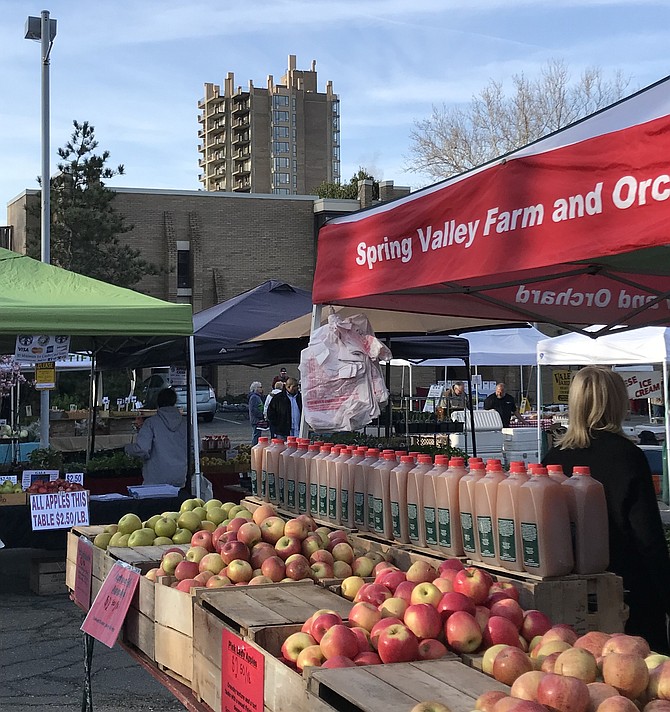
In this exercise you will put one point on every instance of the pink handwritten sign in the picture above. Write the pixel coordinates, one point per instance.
(242, 675)
(82, 581)
(103, 622)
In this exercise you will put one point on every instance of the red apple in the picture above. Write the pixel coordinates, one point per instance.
(296, 528)
(322, 555)
(235, 524)
(186, 570)
(560, 632)
(186, 585)
(274, 568)
(500, 630)
(482, 615)
(534, 623)
(363, 637)
(593, 641)
(506, 587)
(298, 569)
(628, 644)
(310, 656)
(489, 658)
(450, 564)
(203, 577)
(322, 623)
(234, 550)
(431, 649)
(362, 566)
(397, 644)
(260, 514)
(216, 535)
(342, 551)
(577, 662)
(364, 614)
(203, 538)
(474, 583)
(218, 581)
(444, 585)
(391, 578)
(508, 608)
(368, 658)
(311, 544)
(627, 672)
(288, 545)
(463, 632)
(510, 664)
(404, 590)
(659, 682)
(656, 706)
(423, 620)
(454, 601)
(339, 641)
(295, 644)
(487, 700)
(338, 661)
(321, 570)
(563, 694)
(260, 580)
(380, 566)
(380, 626)
(341, 570)
(249, 534)
(239, 571)
(525, 686)
(373, 593)
(260, 553)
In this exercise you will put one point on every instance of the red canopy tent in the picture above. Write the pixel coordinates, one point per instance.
(572, 229)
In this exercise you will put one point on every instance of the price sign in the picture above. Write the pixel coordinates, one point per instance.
(109, 609)
(82, 581)
(30, 476)
(77, 477)
(242, 675)
(59, 510)
(12, 478)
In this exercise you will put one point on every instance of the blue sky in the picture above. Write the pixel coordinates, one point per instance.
(135, 69)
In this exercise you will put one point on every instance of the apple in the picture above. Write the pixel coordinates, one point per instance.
(495, 597)
(367, 658)
(525, 686)
(234, 550)
(599, 691)
(224, 539)
(393, 607)
(298, 569)
(487, 700)
(187, 584)
(335, 537)
(322, 555)
(196, 553)
(450, 565)
(630, 644)
(295, 644)
(577, 662)
(321, 570)
(560, 632)
(627, 672)
(421, 572)
(311, 544)
(287, 545)
(190, 504)
(189, 520)
(204, 539)
(397, 644)
(426, 593)
(474, 583)
(430, 706)
(341, 570)
(373, 593)
(239, 571)
(454, 601)
(404, 590)
(322, 534)
(343, 552)
(218, 581)
(659, 682)
(379, 567)
(423, 620)
(508, 608)
(274, 568)
(129, 523)
(506, 587)
(311, 656)
(272, 529)
(489, 657)
(563, 694)
(153, 574)
(351, 586)
(322, 623)
(482, 615)
(186, 570)
(362, 566)
(260, 580)
(339, 661)
(165, 526)
(364, 615)
(510, 664)
(339, 641)
(617, 703)
(203, 577)
(655, 659)
(211, 562)
(296, 528)
(656, 706)
(541, 651)
(534, 623)
(260, 514)
(500, 630)
(207, 525)
(309, 521)
(379, 627)
(182, 536)
(431, 649)
(363, 638)
(249, 533)
(463, 632)
(260, 553)
(445, 585)
(170, 561)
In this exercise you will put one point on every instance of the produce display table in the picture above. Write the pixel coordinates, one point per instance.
(75, 443)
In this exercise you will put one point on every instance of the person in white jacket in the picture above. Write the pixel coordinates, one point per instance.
(278, 388)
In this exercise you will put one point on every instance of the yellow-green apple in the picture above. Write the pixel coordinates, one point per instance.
(627, 672)
(339, 640)
(151, 522)
(373, 593)
(500, 630)
(431, 649)
(235, 510)
(426, 593)
(509, 664)
(121, 540)
(338, 661)
(560, 632)
(250, 534)
(189, 520)
(207, 525)
(201, 512)
(375, 556)
(196, 553)
(322, 555)
(165, 526)
(534, 623)
(298, 569)
(341, 570)
(525, 686)
(420, 572)
(274, 568)
(482, 615)
(367, 657)
(322, 570)
(618, 703)
(233, 550)
(404, 590)
(186, 570)
(295, 644)
(310, 657)
(487, 700)
(630, 644)
(397, 644)
(430, 706)
(218, 581)
(288, 545)
(260, 553)
(474, 583)
(362, 566)
(489, 657)
(423, 620)
(211, 562)
(216, 515)
(186, 585)
(171, 515)
(578, 663)
(381, 626)
(260, 514)
(655, 659)
(508, 608)
(350, 587)
(322, 623)
(364, 615)
(444, 584)
(239, 571)
(272, 529)
(542, 650)
(129, 523)
(391, 578)
(321, 533)
(463, 632)
(454, 601)
(188, 505)
(311, 544)
(213, 503)
(659, 682)
(182, 536)
(343, 552)
(393, 607)
(563, 694)
(170, 561)
(599, 691)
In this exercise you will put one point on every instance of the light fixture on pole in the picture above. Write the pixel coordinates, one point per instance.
(43, 28)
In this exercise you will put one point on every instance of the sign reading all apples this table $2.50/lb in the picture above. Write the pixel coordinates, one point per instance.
(59, 510)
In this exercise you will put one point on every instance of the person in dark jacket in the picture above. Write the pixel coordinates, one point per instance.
(503, 403)
(597, 405)
(256, 410)
(285, 410)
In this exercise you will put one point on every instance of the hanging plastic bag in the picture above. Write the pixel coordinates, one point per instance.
(341, 381)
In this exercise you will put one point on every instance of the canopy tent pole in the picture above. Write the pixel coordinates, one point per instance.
(539, 413)
(471, 411)
(666, 490)
(193, 414)
(315, 324)
(92, 409)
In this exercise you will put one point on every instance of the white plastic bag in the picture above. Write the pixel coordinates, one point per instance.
(341, 381)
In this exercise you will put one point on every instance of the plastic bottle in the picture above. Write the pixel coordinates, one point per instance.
(331, 482)
(292, 475)
(370, 464)
(508, 524)
(466, 504)
(398, 497)
(486, 494)
(257, 465)
(357, 456)
(282, 469)
(399, 454)
(306, 486)
(545, 526)
(361, 488)
(272, 468)
(430, 499)
(449, 534)
(416, 528)
(556, 473)
(345, 495)
(587, 509)
(319, 477)
(381, 490)
(335, 484)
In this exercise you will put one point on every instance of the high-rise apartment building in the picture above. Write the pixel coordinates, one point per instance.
(283, 139)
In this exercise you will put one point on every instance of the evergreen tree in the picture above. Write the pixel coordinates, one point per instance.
(347, 191)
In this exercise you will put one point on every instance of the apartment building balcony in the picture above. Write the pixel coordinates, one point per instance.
(242, 168)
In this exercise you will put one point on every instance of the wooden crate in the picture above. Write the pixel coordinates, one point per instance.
(71, 554)
(140, 622)
(47, 576)
(12, 499)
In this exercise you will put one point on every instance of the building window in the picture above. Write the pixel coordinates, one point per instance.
(295, 181)
(279, 100)
(281, 163)
(281, 191)
(280, 131)
(295, 135)
(336, 123)
(295, 165)
(280, 147)
(295, 150)
(336, 153)
(183, 265)
(281, 178)
(336, 108)
(280, 116)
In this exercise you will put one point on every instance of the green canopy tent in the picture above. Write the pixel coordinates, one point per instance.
(100, 318)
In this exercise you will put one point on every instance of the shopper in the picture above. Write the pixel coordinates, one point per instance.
(285, 410)
(503, 403)
(256, 410)
(597, 405)
(283, 377)
(456, 397)
(161, 443)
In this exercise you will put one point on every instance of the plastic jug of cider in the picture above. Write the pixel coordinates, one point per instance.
(508, 524)
(587, 509)
(430, 499)
(381, 490)
(466, 504)
(319, 477)
(556, 473)
(335, 484)
(292, 475)
(449, 534)
(416, 528)
(257, 465)
(371, 456)
(371, 465)
(344, 488)
(545, 526)
(282, 469)
(398, 497)
(331, 501)
(304, 474)
(486, 494)
(357, 456)
(271, 468)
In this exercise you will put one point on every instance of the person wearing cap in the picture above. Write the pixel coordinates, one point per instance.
(283, 377)
(285, 410)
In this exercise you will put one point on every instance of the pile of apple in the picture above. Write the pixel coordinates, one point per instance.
(51, 486)
(262, 549)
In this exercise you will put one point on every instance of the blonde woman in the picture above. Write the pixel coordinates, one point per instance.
(597, 405)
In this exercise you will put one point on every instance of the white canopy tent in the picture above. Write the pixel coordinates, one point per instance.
(647, 345)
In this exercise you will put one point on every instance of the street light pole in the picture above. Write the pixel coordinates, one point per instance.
(44, 29)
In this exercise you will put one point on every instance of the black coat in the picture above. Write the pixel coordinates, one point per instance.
(279, 413)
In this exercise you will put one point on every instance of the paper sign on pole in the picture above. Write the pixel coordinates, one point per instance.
(242, 675)
(59, 510)
(103, 622)
(561, 383)
(30, 476)
(45, 376)
(177, 376)
(84, 573)
(38, 348)
(643, 384)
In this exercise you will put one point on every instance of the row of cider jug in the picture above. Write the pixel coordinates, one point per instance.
(539, 521)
